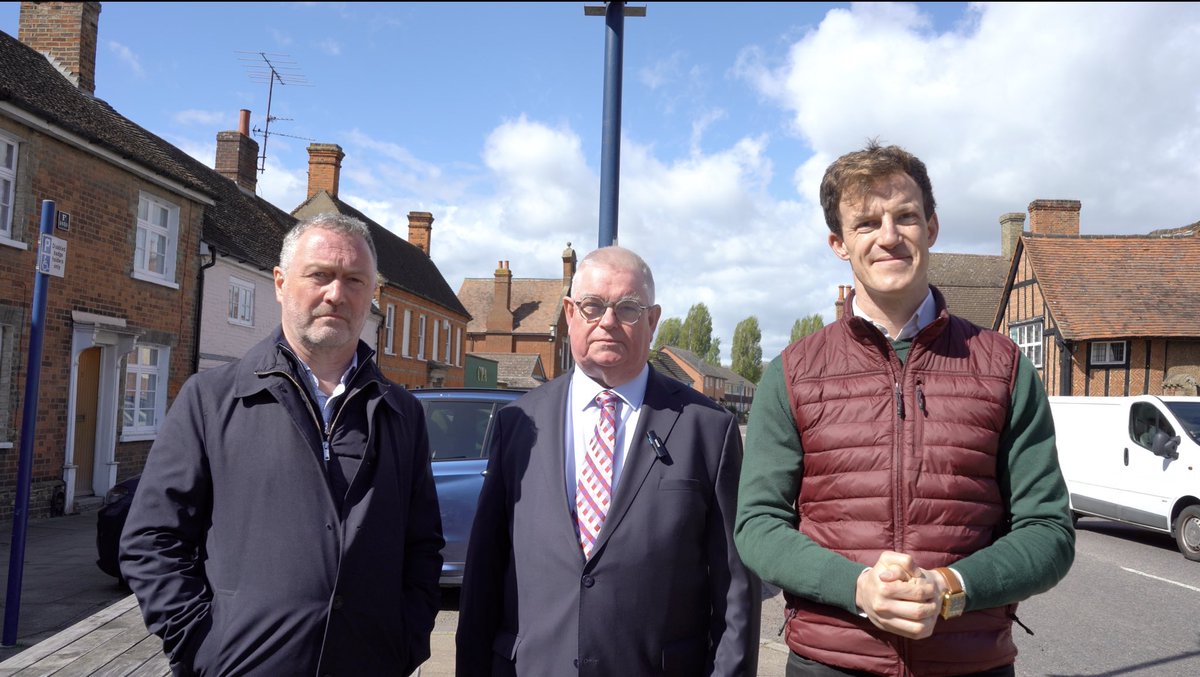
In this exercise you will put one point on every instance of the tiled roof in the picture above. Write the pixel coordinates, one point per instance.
(1100, 287)
(401, 263)
(536, 303)
(730, 376)
(972, 284)
(666, 365)
(694, 361)
(238, 224)
(517, 370)
(1182, 231)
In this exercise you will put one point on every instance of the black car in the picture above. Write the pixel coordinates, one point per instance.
(460, 428)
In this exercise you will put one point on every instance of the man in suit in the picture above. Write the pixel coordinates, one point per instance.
(603, 540)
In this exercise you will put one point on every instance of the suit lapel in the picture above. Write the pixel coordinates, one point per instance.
(657, 415)
(550, 451)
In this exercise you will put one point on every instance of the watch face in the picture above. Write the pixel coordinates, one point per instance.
(953, 605)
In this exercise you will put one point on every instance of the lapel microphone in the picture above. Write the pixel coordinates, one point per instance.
(656, 444)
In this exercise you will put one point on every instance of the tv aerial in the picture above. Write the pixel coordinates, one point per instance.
(273, 68)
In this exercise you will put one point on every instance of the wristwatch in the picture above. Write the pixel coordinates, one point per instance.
(954, 600)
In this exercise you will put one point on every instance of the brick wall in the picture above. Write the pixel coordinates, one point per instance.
(66, 31)
(102, 200)
(410, 371)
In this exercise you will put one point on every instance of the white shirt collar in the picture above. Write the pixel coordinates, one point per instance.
(584, 390)
(925, 315)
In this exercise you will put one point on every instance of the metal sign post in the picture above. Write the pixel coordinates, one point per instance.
(16, 559)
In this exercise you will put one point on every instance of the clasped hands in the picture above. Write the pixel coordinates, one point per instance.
(900, 597)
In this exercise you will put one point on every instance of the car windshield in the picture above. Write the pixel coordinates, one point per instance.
(1188, 414)
(457, 428)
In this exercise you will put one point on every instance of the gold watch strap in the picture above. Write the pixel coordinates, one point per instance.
(952, 582)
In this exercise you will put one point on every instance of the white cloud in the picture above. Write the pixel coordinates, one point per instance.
(1023, 101)
(128, 57)
(330, 47)
(204, 118)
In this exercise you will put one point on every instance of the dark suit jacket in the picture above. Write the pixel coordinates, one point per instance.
(664, 593)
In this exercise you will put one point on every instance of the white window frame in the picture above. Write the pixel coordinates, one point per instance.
(458, 346)
(241, 302)
(1029, 337)
(446, 333)
(434, 344)
(405, 339)
(421, 337)
(131, 431)
(389, 326)
(1101, 353)
(8, 175)
(145, 229)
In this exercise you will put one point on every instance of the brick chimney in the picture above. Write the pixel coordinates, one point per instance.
(237, 154)
(66, 33)
(839, 306)
(1054, 217)
(324, 168)
(500, 318)
(1011, 226)
(569, 261)
(420, 226)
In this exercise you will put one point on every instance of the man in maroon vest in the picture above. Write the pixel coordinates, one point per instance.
(900, 481)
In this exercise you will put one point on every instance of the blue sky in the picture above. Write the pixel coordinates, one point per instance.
(488, 115)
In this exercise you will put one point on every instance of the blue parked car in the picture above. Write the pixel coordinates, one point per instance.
(460, 430)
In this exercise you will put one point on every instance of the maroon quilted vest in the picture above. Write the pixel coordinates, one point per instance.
(901, 457)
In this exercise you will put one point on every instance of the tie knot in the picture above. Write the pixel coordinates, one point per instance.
(607, 399)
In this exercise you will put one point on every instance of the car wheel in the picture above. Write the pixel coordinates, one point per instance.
(1187, 532)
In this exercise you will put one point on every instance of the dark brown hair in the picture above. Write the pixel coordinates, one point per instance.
(859, 170)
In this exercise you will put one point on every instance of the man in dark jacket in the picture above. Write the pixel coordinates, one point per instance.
(286, 522)
(900, 481)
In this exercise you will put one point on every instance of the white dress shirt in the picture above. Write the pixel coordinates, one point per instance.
(582, 415)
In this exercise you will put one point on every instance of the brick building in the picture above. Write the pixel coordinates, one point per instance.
(120, 324)
(521, 315)
(1105, 315)
(421, 337)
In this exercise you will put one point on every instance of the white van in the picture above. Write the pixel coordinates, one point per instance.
(1135, 460)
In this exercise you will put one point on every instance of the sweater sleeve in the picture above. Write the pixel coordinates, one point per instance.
(766, 532)
(1039, 547)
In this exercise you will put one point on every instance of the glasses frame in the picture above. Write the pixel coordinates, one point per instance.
(606, 305)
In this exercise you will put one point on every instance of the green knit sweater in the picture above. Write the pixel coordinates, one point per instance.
(1029, 559)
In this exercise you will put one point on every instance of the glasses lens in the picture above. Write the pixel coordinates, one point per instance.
(592, 310)
(628, 312)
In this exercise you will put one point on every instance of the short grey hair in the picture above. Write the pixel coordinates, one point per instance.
(619, 258)
(338, 223)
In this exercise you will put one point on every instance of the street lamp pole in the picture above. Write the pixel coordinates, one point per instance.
(610, 143)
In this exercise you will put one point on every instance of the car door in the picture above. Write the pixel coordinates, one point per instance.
(1146, 485)
(458, 440)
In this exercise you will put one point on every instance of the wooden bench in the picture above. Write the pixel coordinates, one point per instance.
(113, 642)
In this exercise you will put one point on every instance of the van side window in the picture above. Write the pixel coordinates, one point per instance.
(1145, 421)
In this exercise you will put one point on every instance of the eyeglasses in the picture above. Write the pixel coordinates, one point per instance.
(627, 311)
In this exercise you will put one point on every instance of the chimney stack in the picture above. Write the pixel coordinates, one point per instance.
(324, 168)
(66, 33)
(237, 154)
(1054, 217)
(500, 319)
(839, 307)
(569, 261)
(420, 226)
(1011, 226)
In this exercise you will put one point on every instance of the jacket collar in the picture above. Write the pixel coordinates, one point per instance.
(273, 355)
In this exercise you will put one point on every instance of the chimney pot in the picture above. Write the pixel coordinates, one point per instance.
(244, 122)
(237, 155)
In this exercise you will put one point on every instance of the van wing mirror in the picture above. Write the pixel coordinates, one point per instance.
(1165, 446)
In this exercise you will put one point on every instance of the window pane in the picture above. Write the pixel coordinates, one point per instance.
(10, 154)
(161, 218)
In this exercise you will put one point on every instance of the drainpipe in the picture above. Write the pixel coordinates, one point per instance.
(200, 309)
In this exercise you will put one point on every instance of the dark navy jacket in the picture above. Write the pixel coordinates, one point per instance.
(243, 559)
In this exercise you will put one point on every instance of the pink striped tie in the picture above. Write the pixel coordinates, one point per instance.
(593, 492)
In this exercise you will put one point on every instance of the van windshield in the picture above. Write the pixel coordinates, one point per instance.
(1188, 414)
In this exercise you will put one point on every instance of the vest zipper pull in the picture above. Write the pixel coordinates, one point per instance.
(899, 401)
(325, 448)
(921, 399)
(790, 614)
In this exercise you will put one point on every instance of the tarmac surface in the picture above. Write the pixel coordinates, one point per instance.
(61, 585)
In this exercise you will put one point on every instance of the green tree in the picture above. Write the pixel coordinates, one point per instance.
(713, 356)
(747, 349)
(669, 331)
(806, 325)
(696, 333)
